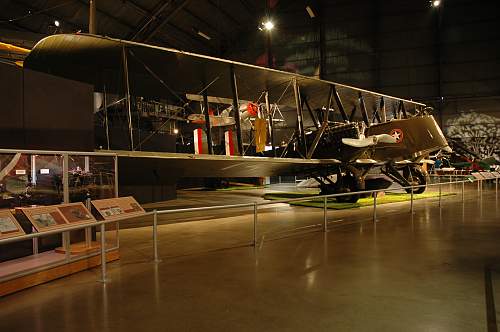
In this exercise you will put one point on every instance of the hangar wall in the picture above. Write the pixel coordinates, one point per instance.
(404, 48)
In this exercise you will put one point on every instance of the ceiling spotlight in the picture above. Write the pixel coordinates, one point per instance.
(267, 25)
(56, 23)
(436, 3)
(310, 11)
(176, 131)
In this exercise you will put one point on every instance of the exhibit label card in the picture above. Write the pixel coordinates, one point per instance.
(45, 218)
(9, 226)
(118, 208)
(76, 213)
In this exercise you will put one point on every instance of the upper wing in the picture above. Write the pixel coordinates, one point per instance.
(168, 73)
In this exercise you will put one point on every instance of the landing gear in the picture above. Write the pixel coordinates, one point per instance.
(415, 177)
(412, 175)
(346, 183)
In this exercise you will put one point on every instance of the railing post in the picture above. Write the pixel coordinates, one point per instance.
(65, 178)
(88, 230)
(325, 210)
(439, 191)
(375, 194)
(463, 191)
(254, 224)
(481, 190)
(34, 242)
(155, 236)
(66, 245)
(103, 253)
(411, 206)
(411, 192)
(496, 186)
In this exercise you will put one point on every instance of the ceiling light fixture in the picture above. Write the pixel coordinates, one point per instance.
(310, 11)
(56, 23)
(436, 3)
(204, 35)
(267, 25)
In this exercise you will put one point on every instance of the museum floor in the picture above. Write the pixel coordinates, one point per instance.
(436, 271)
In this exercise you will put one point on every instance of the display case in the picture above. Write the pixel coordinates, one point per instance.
(45, 178)
(48, 193)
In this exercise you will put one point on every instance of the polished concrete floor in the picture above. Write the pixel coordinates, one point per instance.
(433, 270)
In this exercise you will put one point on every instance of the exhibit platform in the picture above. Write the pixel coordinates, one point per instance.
(47, 274)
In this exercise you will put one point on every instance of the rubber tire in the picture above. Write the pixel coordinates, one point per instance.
(352, 185)
(342, 199)
(419, 175)
(347, 199)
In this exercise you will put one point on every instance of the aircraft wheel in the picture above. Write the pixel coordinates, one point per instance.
(347, 199)
(350, 184)
(419, 179)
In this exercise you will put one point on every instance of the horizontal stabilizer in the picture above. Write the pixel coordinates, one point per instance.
(385, 138)
(369, 141)
(359, 142)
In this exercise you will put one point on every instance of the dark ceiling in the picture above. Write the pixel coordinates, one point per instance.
(202, 26)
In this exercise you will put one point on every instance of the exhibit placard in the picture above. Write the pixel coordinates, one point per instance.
(496, 174)
(118, 208)
(76, 213)
(45, 218)
(487, 175)
(477, 176)
(9, 227)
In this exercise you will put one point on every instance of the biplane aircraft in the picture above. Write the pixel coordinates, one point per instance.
(338, 129)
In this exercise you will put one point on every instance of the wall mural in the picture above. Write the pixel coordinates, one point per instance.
(479, 132)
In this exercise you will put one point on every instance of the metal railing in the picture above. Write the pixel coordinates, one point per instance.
(255, 206)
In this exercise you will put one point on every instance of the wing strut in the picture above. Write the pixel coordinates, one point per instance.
(236, 108)
(311, 114)
(326, 113)
(401, 108)
(376, 112)
(364, 113)
(300, 117)
(323, 127)
(383, 113)
(339, 103)
(127, 97)
(271, 124)
(353, 113)
(207, 123)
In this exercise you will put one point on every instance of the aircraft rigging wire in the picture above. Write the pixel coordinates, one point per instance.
(150, 71)
(284, 91)
(185, 104)
(208, 85)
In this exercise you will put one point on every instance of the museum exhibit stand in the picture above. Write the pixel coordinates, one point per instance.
(50, 202)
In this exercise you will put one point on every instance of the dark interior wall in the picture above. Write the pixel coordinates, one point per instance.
(403, 48)
(58, 113)
(11, 107)
(145, 179)
(40, 111)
